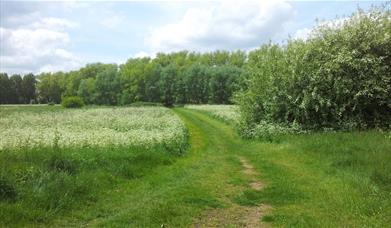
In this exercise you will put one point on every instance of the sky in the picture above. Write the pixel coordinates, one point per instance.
(48, 36)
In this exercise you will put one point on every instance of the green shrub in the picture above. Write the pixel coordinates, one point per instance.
(340, 78)
(72, 102)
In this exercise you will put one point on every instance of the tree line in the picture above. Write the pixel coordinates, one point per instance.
(17, 90)
(175, 78)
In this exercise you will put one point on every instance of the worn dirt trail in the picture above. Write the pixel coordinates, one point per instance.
(236, 215)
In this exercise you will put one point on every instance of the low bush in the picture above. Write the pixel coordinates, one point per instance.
(72, 102)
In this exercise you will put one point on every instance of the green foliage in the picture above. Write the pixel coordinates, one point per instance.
(339, 78)
(17, 90)
(50, 87)
(107, 85)
(87, 90)
(196, 79)
(7, 189)
(72, 102)
(16, 87)
(5, 89)
(167, 85)
(28, 88)
(193, 78)
(223, 83)
(271, 132)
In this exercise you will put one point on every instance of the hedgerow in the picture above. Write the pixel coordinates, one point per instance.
(339, 78)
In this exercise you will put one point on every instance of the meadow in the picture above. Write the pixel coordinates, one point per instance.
(91, 127)
(292, 134)
(53, 159)
(314, 179)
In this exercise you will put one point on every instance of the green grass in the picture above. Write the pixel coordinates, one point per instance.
(47, 182)
(322, 179)
(328, 179)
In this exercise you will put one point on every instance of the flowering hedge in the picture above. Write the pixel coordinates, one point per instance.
(339, 78)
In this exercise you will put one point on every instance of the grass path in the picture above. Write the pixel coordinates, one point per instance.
(225, 181)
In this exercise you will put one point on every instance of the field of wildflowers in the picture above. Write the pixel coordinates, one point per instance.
(53, 160)
(91, 127)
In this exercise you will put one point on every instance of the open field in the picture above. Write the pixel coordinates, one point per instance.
(54, 159)
(320, 179)
(91, 127)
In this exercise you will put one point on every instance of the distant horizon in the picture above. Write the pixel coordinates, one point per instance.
(56, 36)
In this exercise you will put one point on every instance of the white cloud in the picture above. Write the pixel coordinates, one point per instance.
(36, 47)
(302, 34)
(225, 25)
(54, 23)
(112, 21)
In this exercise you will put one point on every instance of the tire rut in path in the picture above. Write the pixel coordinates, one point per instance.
(237, 215)
(254, 214)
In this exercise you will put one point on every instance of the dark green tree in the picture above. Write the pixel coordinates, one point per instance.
(29, 90)
(196, 80)
(16, 89)
(223, 83)
(86, 90)
(49, 87)
(107, 86)
(168, 84)
(5, 89)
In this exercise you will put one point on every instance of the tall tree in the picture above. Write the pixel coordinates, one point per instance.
(5, 88)
(196, 81)
(28, 86)
(223, 83)
(133, 74)
(107, 86)
(50, 87)
(87, 90)
(16, 89)
(152, 87)
(168, 84)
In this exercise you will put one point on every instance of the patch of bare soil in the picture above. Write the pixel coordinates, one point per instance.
(236, 215)
(249, 170)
